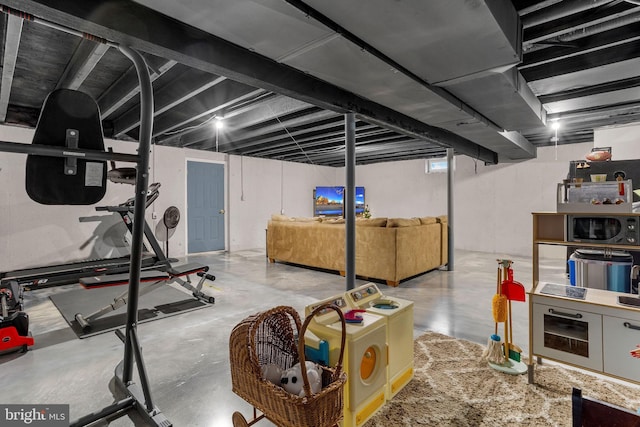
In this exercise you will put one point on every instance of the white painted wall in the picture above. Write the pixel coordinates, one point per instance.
(33, 235)
(259, 188)
(492, 203)
(623, 140)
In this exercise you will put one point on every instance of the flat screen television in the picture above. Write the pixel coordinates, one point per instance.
(329, 201)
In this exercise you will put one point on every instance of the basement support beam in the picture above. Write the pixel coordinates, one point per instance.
(350, 199)
(12, 42)
(450, 243)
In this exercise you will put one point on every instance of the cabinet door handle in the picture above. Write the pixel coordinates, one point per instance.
(561, 313)
(630, 326)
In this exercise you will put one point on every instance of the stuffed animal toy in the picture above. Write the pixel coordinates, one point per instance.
(272, 373)
(292, 381)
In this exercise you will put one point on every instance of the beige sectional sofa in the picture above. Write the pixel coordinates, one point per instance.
(389, 249)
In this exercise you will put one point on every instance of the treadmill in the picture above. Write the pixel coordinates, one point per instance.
(64, 274)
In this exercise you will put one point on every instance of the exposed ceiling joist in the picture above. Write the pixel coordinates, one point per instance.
(325, 120)
(166, 38)
(577, 18)
(11, 44)
(339, 63)
(85, 58)
(192, 115)
(127, 87)
(264, 110)
(583, 61)
(630, 83)
(586, 45)
(167, 98)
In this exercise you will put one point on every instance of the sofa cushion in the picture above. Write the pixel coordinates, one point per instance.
(278, 217)
(371, 222)
(426, 220)
(333, 220)
(306, 219)
(403, 222)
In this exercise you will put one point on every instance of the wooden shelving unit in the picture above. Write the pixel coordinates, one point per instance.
(595, 333)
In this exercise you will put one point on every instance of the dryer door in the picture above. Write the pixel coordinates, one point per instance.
(367, 366)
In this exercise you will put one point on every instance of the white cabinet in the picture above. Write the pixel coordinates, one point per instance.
(620, 336)
(564, 333)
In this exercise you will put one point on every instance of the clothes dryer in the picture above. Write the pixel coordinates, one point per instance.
(398, 314)
(365, 358)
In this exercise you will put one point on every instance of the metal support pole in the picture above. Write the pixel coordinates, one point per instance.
(450, 208)
(350, 199)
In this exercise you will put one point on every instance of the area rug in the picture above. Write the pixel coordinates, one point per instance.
(454, 387)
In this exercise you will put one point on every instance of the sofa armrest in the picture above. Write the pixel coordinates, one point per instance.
(418, 249)
(307, 243)
(376, 252)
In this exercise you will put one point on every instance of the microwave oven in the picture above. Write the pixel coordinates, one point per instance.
(606, 229)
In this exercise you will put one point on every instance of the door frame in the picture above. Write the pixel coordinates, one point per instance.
(225, 184)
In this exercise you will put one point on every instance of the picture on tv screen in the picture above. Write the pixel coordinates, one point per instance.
(329, 201)
(359, 200)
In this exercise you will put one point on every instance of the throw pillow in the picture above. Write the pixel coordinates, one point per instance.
(425, 220)
(278, 217)
(371, 222)
(333, 221)
(306, 219)
(403, 222)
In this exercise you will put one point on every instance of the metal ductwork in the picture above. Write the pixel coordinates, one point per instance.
(477, 93)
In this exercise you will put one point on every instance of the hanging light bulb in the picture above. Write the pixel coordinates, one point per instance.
(218, 124)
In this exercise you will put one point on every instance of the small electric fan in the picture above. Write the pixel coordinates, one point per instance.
(171, 218)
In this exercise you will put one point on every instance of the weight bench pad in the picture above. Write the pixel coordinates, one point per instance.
(46, 181)
(186, 269)
(121, 279)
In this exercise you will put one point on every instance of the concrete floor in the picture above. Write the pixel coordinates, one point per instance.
(187, 357)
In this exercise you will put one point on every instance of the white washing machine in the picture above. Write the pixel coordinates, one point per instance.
(398, 314)
(365, 358)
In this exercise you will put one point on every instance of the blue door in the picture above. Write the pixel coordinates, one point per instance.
(205, 207)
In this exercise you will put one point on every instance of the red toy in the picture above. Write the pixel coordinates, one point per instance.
(14, 333)
(354, 316)
(14, 327)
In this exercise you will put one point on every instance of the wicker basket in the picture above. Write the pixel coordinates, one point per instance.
(270, 337)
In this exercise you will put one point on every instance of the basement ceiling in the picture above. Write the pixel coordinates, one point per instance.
(485, 78)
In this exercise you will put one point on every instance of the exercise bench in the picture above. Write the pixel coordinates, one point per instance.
(155, 278)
